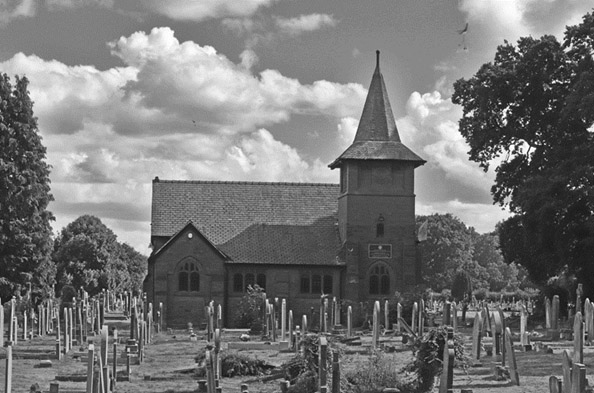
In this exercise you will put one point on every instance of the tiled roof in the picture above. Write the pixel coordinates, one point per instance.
(375, 150)
(377, 137)
(282, 223)
(377, 120)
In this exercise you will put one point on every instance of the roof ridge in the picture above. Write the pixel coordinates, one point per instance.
(157, 180)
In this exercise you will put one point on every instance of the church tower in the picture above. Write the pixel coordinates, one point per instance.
(376, 206)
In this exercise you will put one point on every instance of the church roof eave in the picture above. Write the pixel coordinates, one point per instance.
(381, 151)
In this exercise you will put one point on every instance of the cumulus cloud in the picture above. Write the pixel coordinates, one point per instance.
(431, 129)
(481, 216)
(205, 9)
(260, 157)
(60, 4)
(195, 82)
(305, 23)
(172, 87)
(496, 20)
(13, 9)
(174, 110)
(347, 128)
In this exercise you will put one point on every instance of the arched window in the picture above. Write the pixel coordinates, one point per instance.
(237, 282)
(305, 283)
(188, 278)
(183, 281)
(194, 281)
(327, 284)
(385, 284)
(379, 227)
(379, 280)
(261, 280)
(249, 280)
(316, 284)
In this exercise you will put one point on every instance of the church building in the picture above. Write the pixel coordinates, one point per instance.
(355, 240)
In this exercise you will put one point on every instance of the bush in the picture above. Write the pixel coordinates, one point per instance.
(309, 359)
(462, 286)
(234, 364)
(428, 351)
(373, 377)
(305, 383)
(251, 310)
(406, 300)
(302, 370)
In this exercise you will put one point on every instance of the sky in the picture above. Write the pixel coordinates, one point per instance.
(252, 90)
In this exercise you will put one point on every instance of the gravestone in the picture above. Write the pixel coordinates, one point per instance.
(375, 332)
(322, 361)
(447, 374)
(291, 338)
(578, 339)
(589, 321)
(399, 317)
(555, 313)
(555, 385)
(497, 332)
(503, 333)
(386, 315)
(415, 311)
(349, 321)
(90, 368)
(578, 378)
(1, 324)
(511, 358)
(335, 373)
(454, 313)
(447, 314)
(548, 314)
(523, 324)
(477, 334)
(421, 326)
(566, 365)
(487, 319)
(579, 293)
(283, 320)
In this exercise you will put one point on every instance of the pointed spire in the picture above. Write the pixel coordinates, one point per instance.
(377, 121)
(377, 54)
(377, 136)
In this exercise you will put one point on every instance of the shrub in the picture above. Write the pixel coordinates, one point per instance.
(462, 286)
(428, 352)
(305, 383)
(308, 360)
(302, 370)
(373, 377)
(234, 364)
(407, 300)
(250, 313)
(362, 312)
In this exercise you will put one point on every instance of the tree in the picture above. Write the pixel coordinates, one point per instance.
(498, 275)
(25, 231)
(447, 251)
(530, 112)
(88, 255)
(136, 266)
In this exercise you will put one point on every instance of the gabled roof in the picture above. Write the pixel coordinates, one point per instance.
(180, 232)
(253, 222)
(377, 136)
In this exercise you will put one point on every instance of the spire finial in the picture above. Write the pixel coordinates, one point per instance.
(377, 53)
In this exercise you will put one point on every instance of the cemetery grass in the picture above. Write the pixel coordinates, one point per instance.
(170, 366)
